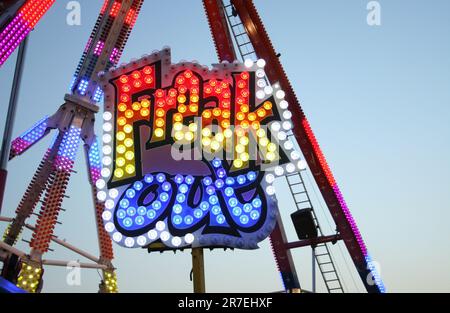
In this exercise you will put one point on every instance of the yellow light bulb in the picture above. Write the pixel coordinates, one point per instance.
(215, 145)
(179, 135)
(207, 114)
(118, 173)
(177, 126)
(228, 133)
(128, 142)
(122, 107)
(182, 108)
(238, 163)
(159, 132)
(159, 122)
(261, 112)
(189, 136)
(244, 141)
(120, 136)
(261, 133)
(181, 99)
(206, 141)
(206, 132)
(120, 162)
(160, 113)
(145, 103)
(129, 114)
(219, 137)
(193, 108)
(271, 147)
(145, 112)
(240, 149)
(267, 105)
(178, 117)
(263, 142)
(129, 155)
(244, 156)
(129, 169)
(270, 156)
(121, 149)
(136, 106)
(121, 121)
(128, 128)
(252, 117)
(193, 127)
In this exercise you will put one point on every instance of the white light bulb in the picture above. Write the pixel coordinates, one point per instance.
(101, 196)
(100, 184)
(117, 236)
(279, 171)
(107, 161)
(275, 126)
(284, 104)
(295, 155)
(165, 236)
(280, 94)
(281, 135)
(107, 116)
(248, 63)
(107, 149)
(152, 234)
(287, 115)
(261, 83)
(290, 168)
(107, 127)
(160, 226)
(189, 238)
(129, 242)
(106, 215)
(260, 73)
(176, 241)
(109, 204)
(261, 63)
(141, 240)
(113, 193)
(105, 172)
(270, 178)
(107, 138)
(287, 125)
(270, 190)
(109, 227)
(288, 145)
(260, 94)
(268, 90)
(301, 165)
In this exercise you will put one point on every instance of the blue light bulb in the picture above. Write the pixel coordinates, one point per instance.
(121, 213)
(213, 199)
(204, 205)
(181, 198)
(216, 163)
(188, 219)
(232, 202)
(189, 179)
(178, 179)
(142, 210)
(229, 191)
(160, 178)
(256, 203)
(139, 220)
(177, 220)
(207, 181)
(156, 205)
(164, 197)
(254, 215)
(131, 211)
(198, 213)
(124, 203)
(151, 214)
(216, 210)
(148, 178)
(244, 219)
(177, 209)
(220, 219)
(183, 188)
(241, 179)
(138, 185)
(166, 186)
(127, 222)
(131, 193)
(237, 211)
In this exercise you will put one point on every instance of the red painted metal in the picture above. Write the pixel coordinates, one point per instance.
(305, 138)
(225, 52)
(219, 30)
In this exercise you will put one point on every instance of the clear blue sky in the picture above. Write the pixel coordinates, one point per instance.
(378, 100)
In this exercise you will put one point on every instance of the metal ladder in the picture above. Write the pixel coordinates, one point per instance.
(295, 181)
(321, 252)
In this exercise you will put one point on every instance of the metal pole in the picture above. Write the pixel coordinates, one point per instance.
(4, 154)
(198, 270)
(313, 249)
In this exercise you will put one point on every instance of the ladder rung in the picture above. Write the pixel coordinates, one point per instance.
(340, 288)
(330, 280)
(301, 202)
(327, 272)
(317, 255)
(325, 263)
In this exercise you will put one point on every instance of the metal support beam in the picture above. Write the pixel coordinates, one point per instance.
(74, 263)
(198, 269)
(313, 242)
(10, 117)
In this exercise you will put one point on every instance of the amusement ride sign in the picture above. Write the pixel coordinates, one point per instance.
(190, 153)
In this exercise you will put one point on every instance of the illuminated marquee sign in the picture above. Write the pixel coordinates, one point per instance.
(190, 153)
